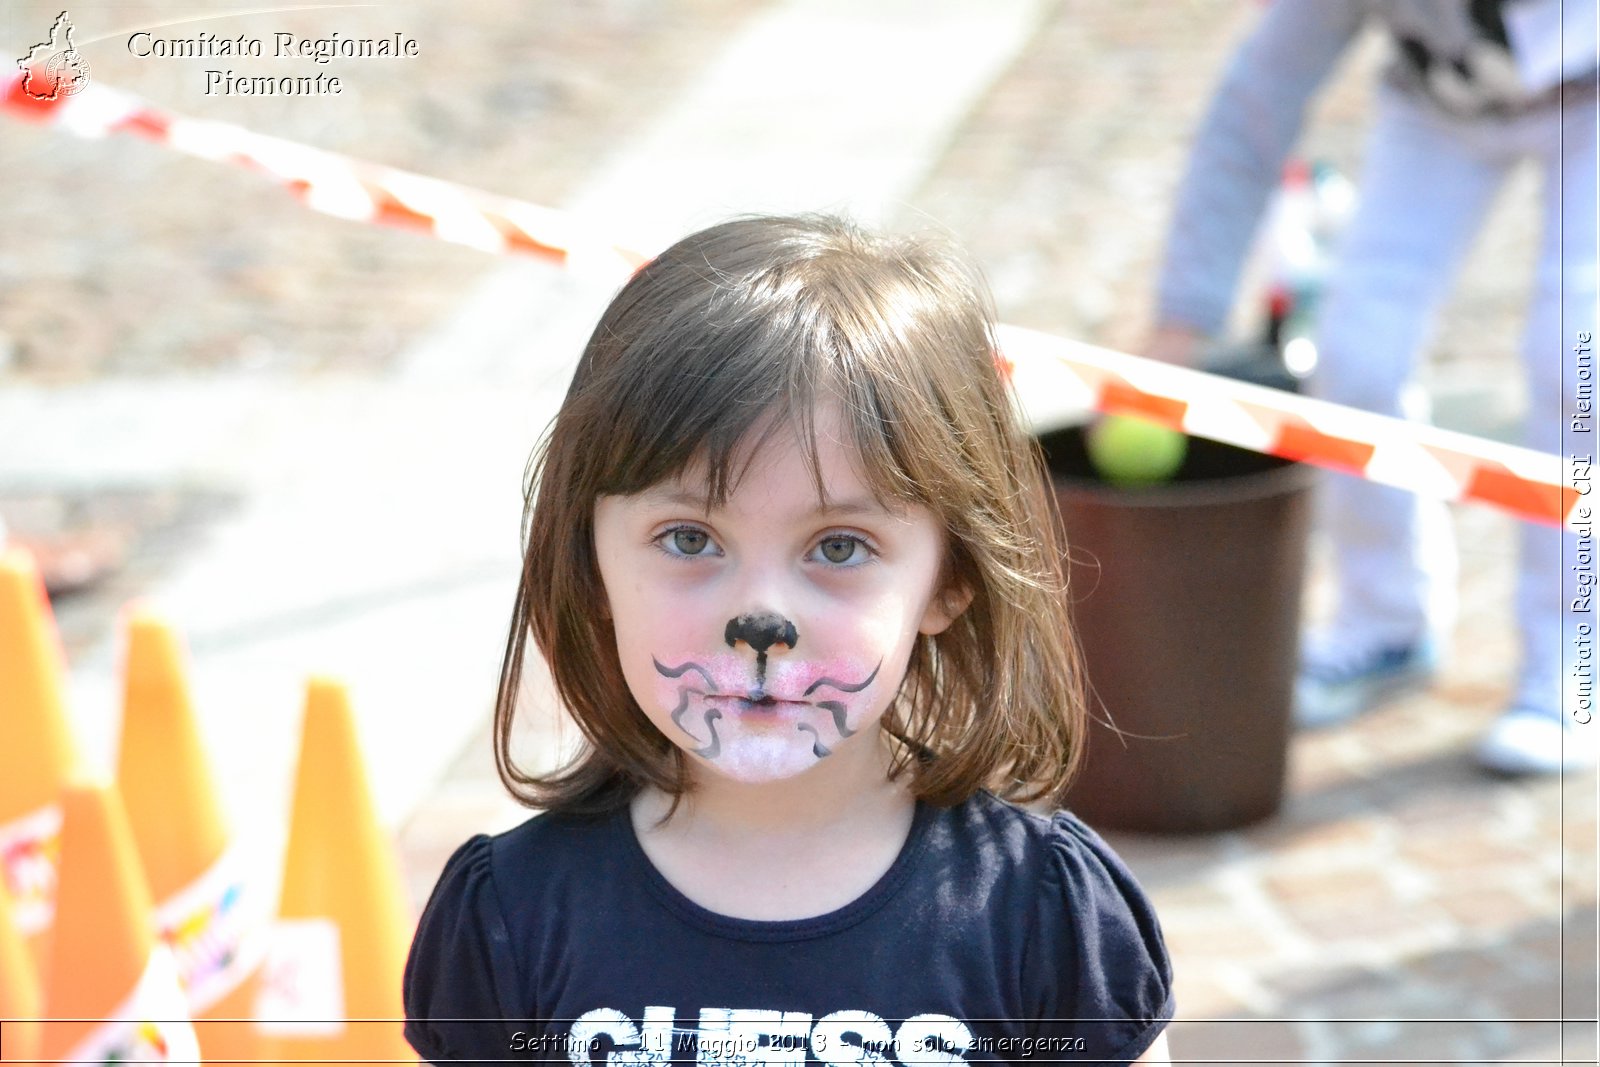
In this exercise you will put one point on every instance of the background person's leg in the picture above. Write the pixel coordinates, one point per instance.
(1528, 739)
(1424, 190)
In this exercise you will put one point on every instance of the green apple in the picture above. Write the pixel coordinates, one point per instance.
(1126, 450)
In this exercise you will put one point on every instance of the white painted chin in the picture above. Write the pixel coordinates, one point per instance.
(756, 757)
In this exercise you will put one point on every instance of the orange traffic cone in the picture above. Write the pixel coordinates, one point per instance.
(112, 994)
(21, 1002)
(37, 754)
(212, 908)
(344, 925)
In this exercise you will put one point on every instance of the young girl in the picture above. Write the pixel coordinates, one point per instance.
(792, 565)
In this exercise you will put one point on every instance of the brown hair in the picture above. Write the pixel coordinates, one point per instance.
(727, 334)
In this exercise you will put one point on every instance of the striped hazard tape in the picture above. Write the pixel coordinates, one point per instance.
(330, 183)
(1056, 376)
(1053, 375)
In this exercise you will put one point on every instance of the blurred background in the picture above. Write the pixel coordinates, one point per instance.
(304, 437)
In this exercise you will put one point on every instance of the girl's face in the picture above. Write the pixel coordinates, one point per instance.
(771, 633)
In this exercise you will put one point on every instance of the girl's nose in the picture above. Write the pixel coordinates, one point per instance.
(761, 630)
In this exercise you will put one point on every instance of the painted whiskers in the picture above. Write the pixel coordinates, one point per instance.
(756, 696)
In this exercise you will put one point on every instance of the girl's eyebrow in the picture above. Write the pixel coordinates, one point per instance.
(680, 496)
(862, 506)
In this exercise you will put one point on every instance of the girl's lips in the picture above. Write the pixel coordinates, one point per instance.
(744, 702)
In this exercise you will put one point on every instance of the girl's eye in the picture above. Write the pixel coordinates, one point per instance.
(690, 542)
(843, 548)
(685, 541)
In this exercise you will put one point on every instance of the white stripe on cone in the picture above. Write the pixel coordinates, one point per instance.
(151, 1026)
(302, 986)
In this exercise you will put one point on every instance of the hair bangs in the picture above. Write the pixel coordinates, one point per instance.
(904, 371)
(700, 398)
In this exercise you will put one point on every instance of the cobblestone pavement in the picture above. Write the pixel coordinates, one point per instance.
(1401, 907)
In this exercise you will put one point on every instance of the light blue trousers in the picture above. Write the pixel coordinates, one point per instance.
(1426, 187)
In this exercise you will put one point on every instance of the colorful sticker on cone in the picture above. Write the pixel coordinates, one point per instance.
(151, 1026)
(302, 983)
(30, 853)
(217, 929)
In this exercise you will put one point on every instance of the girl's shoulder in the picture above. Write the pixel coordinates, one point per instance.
(1054, 856)
(1081, 907)
(465, 980)
(540, 853)
(1057, 843)
(1093, 948)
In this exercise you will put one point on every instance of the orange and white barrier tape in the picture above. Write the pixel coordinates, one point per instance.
(1389, 451)
(330, 183)
(1407, 455)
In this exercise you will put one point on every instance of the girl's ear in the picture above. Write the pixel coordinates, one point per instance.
(945, 607)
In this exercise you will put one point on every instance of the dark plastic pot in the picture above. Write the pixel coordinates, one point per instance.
(1186, 598)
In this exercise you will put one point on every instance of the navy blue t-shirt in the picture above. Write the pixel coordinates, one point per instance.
(997, 935)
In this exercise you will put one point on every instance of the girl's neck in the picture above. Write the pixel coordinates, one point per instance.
(782, 850)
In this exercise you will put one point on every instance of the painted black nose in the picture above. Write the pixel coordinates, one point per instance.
(761, 630)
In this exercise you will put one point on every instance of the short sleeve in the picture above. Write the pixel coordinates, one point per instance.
(461, 983)
(1101, 967)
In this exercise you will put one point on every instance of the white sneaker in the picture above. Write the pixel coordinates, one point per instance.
(1338, 682)
(1526, 741)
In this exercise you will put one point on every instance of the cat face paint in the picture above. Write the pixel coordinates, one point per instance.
(773, 632)
(763, 721)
